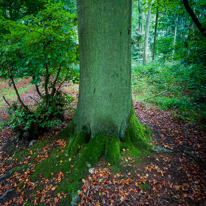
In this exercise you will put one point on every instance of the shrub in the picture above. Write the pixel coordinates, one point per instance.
(45, 48)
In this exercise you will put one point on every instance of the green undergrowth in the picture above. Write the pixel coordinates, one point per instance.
(79, 153)
(172, 85)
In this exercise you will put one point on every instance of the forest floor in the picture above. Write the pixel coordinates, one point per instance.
(176, 178)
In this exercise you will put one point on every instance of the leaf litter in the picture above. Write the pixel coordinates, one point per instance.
(162, 179)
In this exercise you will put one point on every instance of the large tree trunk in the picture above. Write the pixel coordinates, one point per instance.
(105, 115)
(146, 36)
(105, 65)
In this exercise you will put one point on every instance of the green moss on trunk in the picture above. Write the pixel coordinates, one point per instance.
(112, 150)
(136, 134)
(92, 148)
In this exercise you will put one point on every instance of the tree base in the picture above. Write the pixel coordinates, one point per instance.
(91, 149)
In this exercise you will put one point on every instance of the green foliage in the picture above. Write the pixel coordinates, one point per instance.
(186, 83)
(30, 124)
(14, 10)
(193, 49)
(164, 47)
(48, 39)
(69, 5)
(45, 48)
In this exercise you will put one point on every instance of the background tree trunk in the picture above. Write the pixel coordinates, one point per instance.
(155, 35)
(146, 36)
(139, 16)
(194, 18)
(175, 36)
(142, 23)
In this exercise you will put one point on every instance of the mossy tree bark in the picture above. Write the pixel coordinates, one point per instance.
(105, 117)
(105, 65)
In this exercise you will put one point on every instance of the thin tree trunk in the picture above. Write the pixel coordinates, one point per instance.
(46, 78)
(139, 29)
(54, 83)
(191, 30)
(46, 81)
(175, 36)
(142, 23)
(16, 90)
(184, 23)
(146, 36)
(155, 35)
(194, 18)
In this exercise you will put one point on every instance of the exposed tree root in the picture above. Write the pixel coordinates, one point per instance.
(6, 193)
(91, 149)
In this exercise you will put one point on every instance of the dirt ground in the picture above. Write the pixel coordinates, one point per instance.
(176, 178)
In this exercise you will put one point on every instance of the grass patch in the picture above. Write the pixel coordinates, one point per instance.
(162, 84)
(11, 94)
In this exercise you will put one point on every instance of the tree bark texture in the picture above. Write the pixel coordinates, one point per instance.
(105, 118)
(105, 66)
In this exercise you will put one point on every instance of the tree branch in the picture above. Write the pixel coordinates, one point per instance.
(16, 90)
(46, 79)
(54, 83)
(194, 18)
(37, 88)
(6, 101)
(62, 82)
